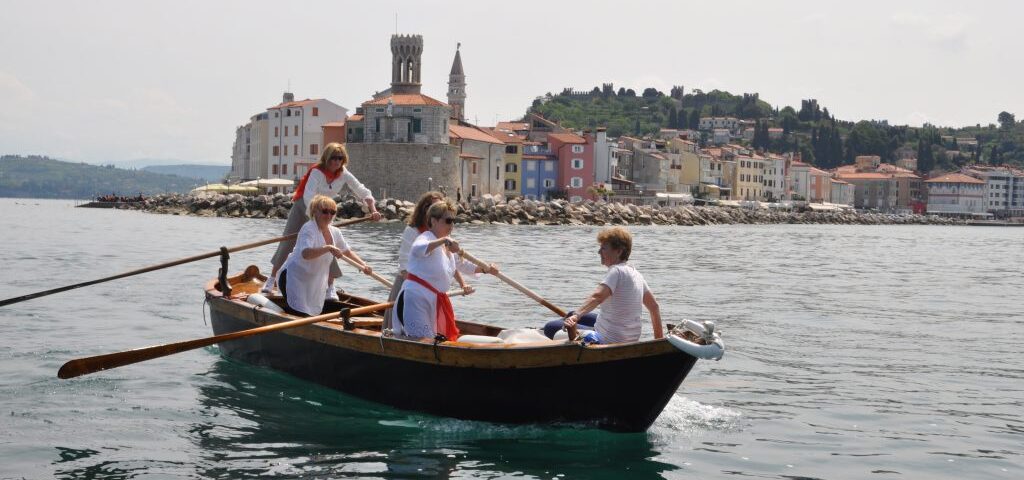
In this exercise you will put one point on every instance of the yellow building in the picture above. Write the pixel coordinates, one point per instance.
(749, 179)
(689, 163)
(513, 159)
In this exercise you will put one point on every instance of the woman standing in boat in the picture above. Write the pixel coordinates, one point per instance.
(417, 225)
(326, 178)
(423, 309)
(620, 296)
(304, 276)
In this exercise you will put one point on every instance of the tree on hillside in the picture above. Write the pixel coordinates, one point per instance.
(1006, 120)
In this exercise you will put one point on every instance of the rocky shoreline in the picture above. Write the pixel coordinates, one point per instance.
(531, 212)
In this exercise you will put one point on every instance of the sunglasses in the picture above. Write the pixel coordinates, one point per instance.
(327, 211)
(338, 158)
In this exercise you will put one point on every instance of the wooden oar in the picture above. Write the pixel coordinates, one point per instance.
(165, 265)
(387, 283)
(516, 285)
(83, 366)
(374, 275)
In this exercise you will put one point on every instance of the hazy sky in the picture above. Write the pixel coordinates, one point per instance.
(119, 80)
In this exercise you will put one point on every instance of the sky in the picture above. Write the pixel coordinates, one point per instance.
(113, 81)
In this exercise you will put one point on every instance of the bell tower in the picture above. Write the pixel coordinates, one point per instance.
(457, 87)
(406, 51)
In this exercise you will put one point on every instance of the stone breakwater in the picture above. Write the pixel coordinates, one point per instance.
(530, 212)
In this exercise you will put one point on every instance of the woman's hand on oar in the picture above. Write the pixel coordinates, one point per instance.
(526, 291)
(83, 366)
(159, 266)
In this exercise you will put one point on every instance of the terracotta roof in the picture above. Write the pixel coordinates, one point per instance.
(333, 124)
(300, 103)
(567, 138)
(840, 181)
(470, 133)
(954, 178)
(505, 135)
(512, 126)
(817, 171)
(356, 118)
(406, 99)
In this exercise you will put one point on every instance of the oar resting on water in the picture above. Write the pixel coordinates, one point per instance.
(172, 263)
(83, 366)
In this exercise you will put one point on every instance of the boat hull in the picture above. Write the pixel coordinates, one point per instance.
(615, 388)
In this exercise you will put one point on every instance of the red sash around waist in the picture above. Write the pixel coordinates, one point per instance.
(445, 316)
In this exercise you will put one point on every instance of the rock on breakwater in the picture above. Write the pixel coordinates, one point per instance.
(530, 212)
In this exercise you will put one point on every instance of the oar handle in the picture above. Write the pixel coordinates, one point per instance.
(173, 263)
(516, 285)
(83, 366)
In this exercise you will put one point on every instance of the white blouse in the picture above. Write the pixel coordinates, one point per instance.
(436, 267)
(317, 184)
(408, 237)
(307, 279)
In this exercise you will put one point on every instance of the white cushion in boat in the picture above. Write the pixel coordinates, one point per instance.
(479, 339)
(522, 335)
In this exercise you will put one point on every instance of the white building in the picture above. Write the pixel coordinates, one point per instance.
(774, 176)
(1004, 189)
(295, 132)
(842, 192)
(711, 123)
(956, 194)
(798, 179)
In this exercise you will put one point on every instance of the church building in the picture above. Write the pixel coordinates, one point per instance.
(402, 143)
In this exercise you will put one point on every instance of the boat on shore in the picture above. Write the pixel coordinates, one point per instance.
(618, 387)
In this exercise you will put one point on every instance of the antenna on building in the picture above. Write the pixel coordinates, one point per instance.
(396, 23)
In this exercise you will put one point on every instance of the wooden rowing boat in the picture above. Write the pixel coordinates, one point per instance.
(621, 387)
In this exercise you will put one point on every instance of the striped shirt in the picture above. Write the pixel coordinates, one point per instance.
(620, 317)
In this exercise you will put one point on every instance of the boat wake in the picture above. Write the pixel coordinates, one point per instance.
(690, 417)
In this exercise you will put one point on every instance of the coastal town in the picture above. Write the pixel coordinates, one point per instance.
(402, 142)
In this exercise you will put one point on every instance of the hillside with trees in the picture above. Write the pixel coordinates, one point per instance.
(812, 130)
(43, 177)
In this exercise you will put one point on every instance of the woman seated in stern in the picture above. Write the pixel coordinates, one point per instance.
(417, 224)
(304, 277)
(423, 309)
(619, 295)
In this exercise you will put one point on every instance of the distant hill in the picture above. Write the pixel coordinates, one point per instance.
(209, 173)
(43, 177)
(821, 139)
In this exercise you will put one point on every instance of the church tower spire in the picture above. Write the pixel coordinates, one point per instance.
(457, 87)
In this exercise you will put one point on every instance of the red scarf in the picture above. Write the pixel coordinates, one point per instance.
(299, 192)
(445, 313)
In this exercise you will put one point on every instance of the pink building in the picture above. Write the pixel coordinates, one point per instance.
(575, 163)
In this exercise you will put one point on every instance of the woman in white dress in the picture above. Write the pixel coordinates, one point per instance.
(326, 178)
(304, 276)
(417, 224)
(423, 309)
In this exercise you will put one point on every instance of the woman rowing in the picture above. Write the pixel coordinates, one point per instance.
(423, 309)
(326, 178)
(304, 275)
(417, 224)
